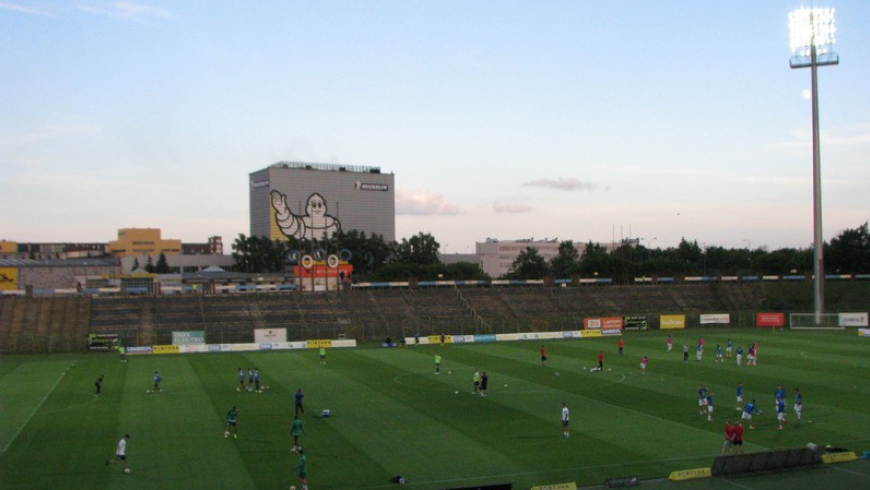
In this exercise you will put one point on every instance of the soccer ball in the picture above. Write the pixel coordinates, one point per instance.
(449, 372)
(558, 373)
(126, 470)
(292, 487)
(147, 391)
(505, 385)
(456, 392)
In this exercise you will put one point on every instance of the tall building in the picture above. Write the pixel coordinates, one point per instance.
(497, 256)
(142, 241)
(308, 200)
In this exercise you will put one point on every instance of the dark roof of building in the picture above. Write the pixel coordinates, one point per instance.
(89, 262)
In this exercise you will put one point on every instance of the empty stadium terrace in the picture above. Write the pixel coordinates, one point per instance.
(61, 323)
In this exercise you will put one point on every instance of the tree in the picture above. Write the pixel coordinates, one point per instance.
(567, 262)
(149, 266)
(421, 248)
(259, 254)
(162, 264)
(849, 252)
(529, 265)
(135, 264)
(595, 260)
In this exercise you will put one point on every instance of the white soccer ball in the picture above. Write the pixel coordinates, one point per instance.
(126, 470)
(608, 369)
(456, 393)
(147, 391)
(292, 487)
(505, 385)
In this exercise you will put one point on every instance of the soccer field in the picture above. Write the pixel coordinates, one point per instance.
(391, 415)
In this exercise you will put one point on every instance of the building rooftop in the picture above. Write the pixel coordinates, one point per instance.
(328, 167)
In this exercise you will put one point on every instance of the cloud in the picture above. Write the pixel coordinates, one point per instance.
(562, 184)
(424, 203)
(22, 9)
(510, 208)
(136, 12)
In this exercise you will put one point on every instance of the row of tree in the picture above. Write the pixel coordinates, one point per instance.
(418, 257)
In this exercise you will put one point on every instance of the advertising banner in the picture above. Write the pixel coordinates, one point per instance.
(270, 335)
(852, 320)
(634, 323)
(164, 349)
(715, 319)
(185, 337)
(8, 278)
(608, 323)
(139, 350)
(773, 320)
(318, 343)
(672, 322)
(864, 332)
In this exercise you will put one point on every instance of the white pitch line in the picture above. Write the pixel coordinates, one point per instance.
(62, 373)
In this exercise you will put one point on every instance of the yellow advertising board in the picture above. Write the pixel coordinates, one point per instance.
(682, 475)
(164, 349)
(318, 343)
(671, 322)
(844, 457)
(557, 486)
(8, 278)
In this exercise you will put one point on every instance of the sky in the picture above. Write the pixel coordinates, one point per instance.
(578, 120)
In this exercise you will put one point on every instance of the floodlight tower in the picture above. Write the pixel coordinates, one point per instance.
(812, 35)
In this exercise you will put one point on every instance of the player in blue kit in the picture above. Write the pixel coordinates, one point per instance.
(728, 347)
(702, 399)
(710, 406)
(719, 353)
(740, 395)
(747, 412)
(739, 355)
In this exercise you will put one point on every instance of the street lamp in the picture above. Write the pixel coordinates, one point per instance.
(812, 34)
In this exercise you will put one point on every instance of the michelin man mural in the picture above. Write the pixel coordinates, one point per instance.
(313, 224)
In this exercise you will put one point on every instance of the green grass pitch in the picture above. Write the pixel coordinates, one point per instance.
(391, 415)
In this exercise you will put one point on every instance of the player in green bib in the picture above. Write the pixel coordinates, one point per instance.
(296, 430)
(323, 355)
(476, 380)
(437, 364)
(232, 422)
(303, 469)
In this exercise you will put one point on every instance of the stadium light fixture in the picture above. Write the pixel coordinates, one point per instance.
(812, 34)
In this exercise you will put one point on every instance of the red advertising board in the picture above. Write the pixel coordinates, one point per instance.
(774, 320)
(605, 323)
(322, 270)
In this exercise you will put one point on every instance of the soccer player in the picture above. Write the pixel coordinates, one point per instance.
(620, 345)
(157, 380)
(710, 406)
(798, 403)
(778, 394)
(752, 355)
(719, 353)
(670, 343)
(437, 364)
(565, 419)
(484, 380)
(699, 351)
(303, 469)
(232, 423)
(241, 380)
(99, 385)
(476, 380)
(780, 412)
(601, 360)
(728, 347)
(740, 395)
(123, 351)
(121, 453)
(296, 430)
(747, 412)
(643, 363)
(685, 352)
(739, 355)
(257, 380)
(738, 437)
(323, 356)
(250, 379)
(299, 395)
(543, 356)
(728, 446)
(702, 399)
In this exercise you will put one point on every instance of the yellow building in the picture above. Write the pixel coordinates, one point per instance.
(142, 241)
(8, 247)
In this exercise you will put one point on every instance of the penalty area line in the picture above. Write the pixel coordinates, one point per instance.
(33, 412)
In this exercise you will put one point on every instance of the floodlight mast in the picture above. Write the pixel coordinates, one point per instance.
(812, 34)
